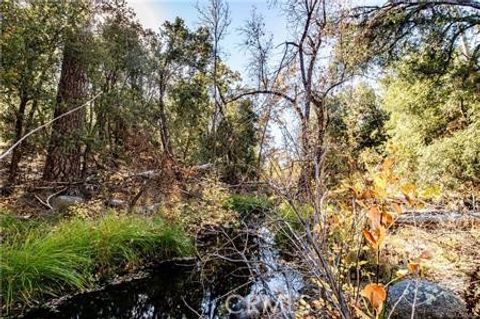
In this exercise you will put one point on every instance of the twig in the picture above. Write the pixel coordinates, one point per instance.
(190, 307)
(46, 203)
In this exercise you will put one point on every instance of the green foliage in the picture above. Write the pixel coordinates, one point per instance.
(290, 216)
(189, 112)
(356, 129)
(48, 259)
(32, 31)
(233, 146)
(434, 125)
(247, 205)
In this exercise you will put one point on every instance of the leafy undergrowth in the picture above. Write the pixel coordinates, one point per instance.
(39, 259)
(247, 205)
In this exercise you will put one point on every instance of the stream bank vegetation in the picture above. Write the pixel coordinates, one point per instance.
(48, 258)
(355, 141)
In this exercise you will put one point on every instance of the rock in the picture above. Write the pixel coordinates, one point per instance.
(431, 301)
(64, 201)
(148, 174)
(116, 203)
(148, 209)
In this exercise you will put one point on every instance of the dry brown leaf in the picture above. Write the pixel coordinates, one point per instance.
(426, 255)
(380, 233)
(387, 219)
(397, 208)
(368, 194)
(413, 268)
(376, 294)
(370, 238)
(375, 216)
(409, 200)
(387, 164)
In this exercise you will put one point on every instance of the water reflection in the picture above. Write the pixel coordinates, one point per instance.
(171, 292)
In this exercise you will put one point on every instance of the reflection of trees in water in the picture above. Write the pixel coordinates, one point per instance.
(159, 296)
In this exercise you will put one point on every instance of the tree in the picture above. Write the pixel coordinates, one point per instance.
(216, 17)
(31, 34)
(236, 144)
(177, 53)
(64, 156)
(434, 124)
(386, 33)
(119, 69)
(189, 113)
(304, 80)
(356, 132)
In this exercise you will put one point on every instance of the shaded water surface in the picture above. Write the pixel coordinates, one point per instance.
(170, 292)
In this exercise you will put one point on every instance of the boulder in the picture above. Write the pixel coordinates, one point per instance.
(64, 201)
(426, 299)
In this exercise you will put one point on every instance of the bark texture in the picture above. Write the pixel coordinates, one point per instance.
(64, 159)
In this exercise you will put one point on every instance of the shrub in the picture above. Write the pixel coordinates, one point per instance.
(247, 204)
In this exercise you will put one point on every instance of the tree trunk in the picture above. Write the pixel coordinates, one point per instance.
(313, 151)
(17, 152)
(306, 159)
(63, 161)
(167, 147)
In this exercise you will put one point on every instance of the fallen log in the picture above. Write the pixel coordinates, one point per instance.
(439, 218)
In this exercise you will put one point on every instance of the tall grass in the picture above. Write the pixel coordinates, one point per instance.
(48, 259)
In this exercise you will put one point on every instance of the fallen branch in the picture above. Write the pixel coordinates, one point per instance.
(2, 156)
(438, 217)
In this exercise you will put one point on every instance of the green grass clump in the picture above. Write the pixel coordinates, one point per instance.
(49, 259)
(248, 204)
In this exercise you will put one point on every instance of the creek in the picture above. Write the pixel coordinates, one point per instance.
(245, 290)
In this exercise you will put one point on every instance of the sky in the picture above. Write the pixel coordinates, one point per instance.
(152, 13)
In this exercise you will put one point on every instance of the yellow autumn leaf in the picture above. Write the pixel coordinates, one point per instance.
(380, 233)
(387, 219)
(397, 208)
(387, 165)
(408, 189)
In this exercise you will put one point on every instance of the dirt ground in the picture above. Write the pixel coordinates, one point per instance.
(451, 255)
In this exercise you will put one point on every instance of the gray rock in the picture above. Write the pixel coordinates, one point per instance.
(431, 301)
(148, 174)
(64, 201)
(148, 209)
(116, 203)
